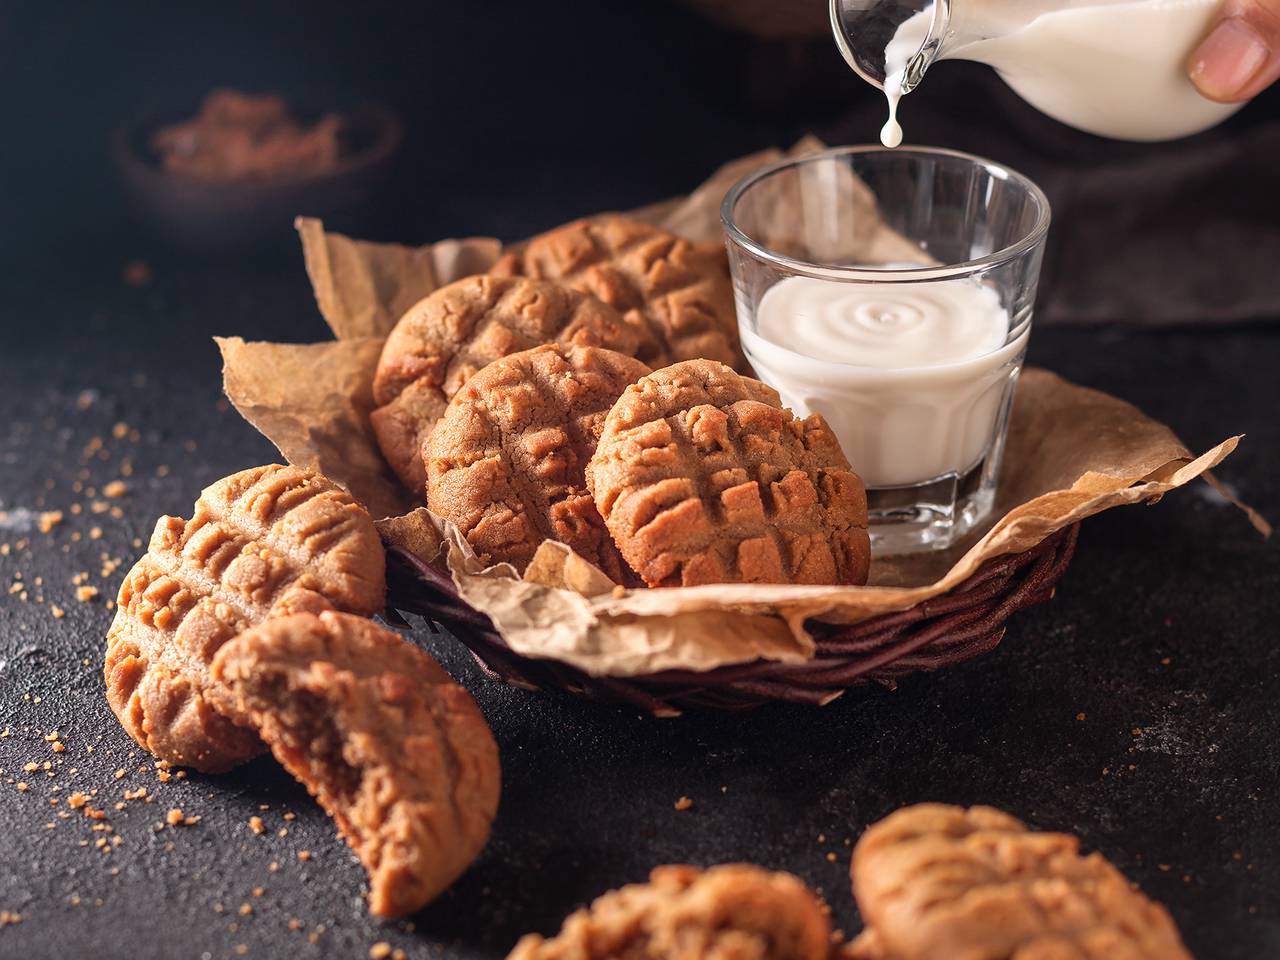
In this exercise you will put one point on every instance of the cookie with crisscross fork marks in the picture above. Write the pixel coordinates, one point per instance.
(936, 882)
(677, 292)
(507, 461)
(702, 476)
(395, 751)
(260, 543)
(451, 334)
(731, 912)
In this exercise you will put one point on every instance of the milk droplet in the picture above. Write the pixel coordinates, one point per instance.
(891, 132)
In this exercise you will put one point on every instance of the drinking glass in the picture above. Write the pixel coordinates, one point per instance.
(926, 437)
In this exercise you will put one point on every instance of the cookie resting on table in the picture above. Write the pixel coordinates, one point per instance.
(936, 882)
(264, 542)
(451, 334)
(678, 293)
(392, 748)
(507, 461)
(730, 912)
(702, 477)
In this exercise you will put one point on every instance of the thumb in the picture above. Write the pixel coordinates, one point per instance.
(1241, 55)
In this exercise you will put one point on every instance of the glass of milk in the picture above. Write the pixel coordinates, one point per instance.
(891, 291)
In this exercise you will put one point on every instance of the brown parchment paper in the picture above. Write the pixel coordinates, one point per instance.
(1072, 452)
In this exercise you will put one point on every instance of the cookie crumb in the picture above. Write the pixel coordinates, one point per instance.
(48, 520)
(256, 825)
(136, 273)
(246, 909)
(174, 816)
(57, 746)
(9, 918)
(304, 855)
(1080, 716)
(684, 803)
(57, 611)
(116, 488)
(380, 950)
(85, 594)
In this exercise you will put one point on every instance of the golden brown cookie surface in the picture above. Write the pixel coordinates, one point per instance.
(450, 335)
(507, 461)
(260, 543)
(679, 293)
(937, 882)
(392, 748)
(702, 477)
(730, 912)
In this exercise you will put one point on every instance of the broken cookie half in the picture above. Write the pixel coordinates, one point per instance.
(392, 748)
(731, 912)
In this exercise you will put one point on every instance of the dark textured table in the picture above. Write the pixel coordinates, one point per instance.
(1138, 709)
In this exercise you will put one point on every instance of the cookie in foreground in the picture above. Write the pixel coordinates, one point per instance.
(263, 542)
(448, 336)
(937, 882)
(507, 462)
(702, 476)
(730, 912)
(678, 293)
(392, 748)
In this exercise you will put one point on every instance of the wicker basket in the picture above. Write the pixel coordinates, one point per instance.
(957, 626)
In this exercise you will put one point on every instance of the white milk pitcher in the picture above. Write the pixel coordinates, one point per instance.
(1116, 68)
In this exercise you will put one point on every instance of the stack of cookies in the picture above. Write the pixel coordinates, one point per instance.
(246, 628)
(585, 391)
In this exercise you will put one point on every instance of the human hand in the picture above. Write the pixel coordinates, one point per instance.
(1241, 55)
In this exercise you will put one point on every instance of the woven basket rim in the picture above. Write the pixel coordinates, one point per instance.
(963, 623)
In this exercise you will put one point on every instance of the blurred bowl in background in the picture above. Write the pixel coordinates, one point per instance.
(248, 214)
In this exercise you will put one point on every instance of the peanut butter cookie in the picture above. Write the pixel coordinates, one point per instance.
(395, 751)
(679, 293)
(451, 334)
(260, 543)
(506, 462)
(731, 912)
(702, 476)
(937, 882)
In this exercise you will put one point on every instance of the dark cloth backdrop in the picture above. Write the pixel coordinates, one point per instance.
(610, 104)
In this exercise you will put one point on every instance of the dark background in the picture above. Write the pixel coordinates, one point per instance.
(520, 116)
